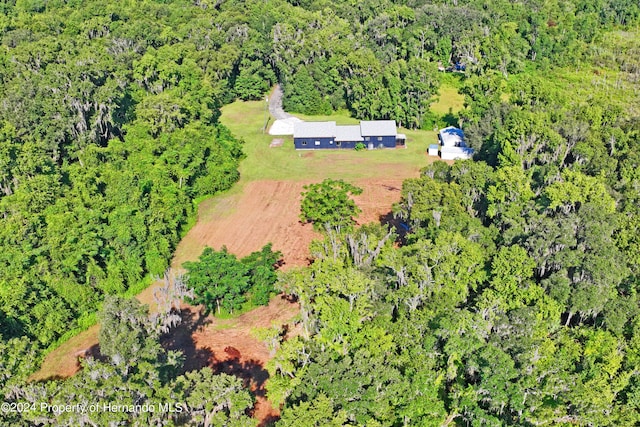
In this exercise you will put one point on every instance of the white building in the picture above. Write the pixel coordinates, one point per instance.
(452, 145)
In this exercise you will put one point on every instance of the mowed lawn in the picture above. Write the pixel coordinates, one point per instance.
(449, 100)
(246, 119)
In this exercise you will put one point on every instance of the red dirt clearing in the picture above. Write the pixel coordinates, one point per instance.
(229, 346)
(267, 211)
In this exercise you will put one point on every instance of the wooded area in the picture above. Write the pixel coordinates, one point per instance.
(510, 295)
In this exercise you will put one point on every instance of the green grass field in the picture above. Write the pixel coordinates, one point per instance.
(246, 119)
(449, 100)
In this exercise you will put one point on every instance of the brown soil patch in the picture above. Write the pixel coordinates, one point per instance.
(64, 361)
(267, 211)
(264, 212)
(229, 346)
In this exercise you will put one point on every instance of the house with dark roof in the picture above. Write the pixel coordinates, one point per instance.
(372, 133)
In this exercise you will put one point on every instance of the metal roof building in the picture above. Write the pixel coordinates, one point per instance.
(373, 133)
(348, 133)
(378, 128)
(314, 130)
(451, 137)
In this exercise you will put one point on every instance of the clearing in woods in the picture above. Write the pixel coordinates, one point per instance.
(263, 207)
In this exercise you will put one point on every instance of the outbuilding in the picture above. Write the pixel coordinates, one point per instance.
(451, 137)
(452, 144)
(456, 153)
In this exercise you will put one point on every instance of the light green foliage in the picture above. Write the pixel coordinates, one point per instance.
(17, 360)
(219, 280)
(328, 204)
(576, 189)
(318, 413)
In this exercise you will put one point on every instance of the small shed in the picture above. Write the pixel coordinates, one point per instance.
(401, 140)
(433, 149)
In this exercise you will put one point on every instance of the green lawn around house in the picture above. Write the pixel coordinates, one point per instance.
(246, 119)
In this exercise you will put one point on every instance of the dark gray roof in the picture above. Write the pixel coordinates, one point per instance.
(378, 128)
(314, 130)
(348, 133)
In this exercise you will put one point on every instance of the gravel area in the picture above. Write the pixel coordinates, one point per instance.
(275, 105)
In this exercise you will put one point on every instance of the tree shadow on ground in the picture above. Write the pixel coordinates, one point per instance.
(181, 338)
(251, 372)
(450, 119)
(253, 376)
(269, 421)
(401, 229)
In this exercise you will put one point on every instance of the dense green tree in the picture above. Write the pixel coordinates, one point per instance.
(127, 336)
(328, 204)
(219, 280)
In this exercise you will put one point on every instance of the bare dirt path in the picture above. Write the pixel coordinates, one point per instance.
(275, 104)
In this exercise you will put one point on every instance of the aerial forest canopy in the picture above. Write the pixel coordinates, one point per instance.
(511, 297)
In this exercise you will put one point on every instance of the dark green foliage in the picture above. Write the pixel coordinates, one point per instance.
(262, 275)
(219, 280)
(303, 96)
(254, 80)
(328, 204)
(513, 299)
(108, 133)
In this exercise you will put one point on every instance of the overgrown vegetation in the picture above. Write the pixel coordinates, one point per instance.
(139, 381)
